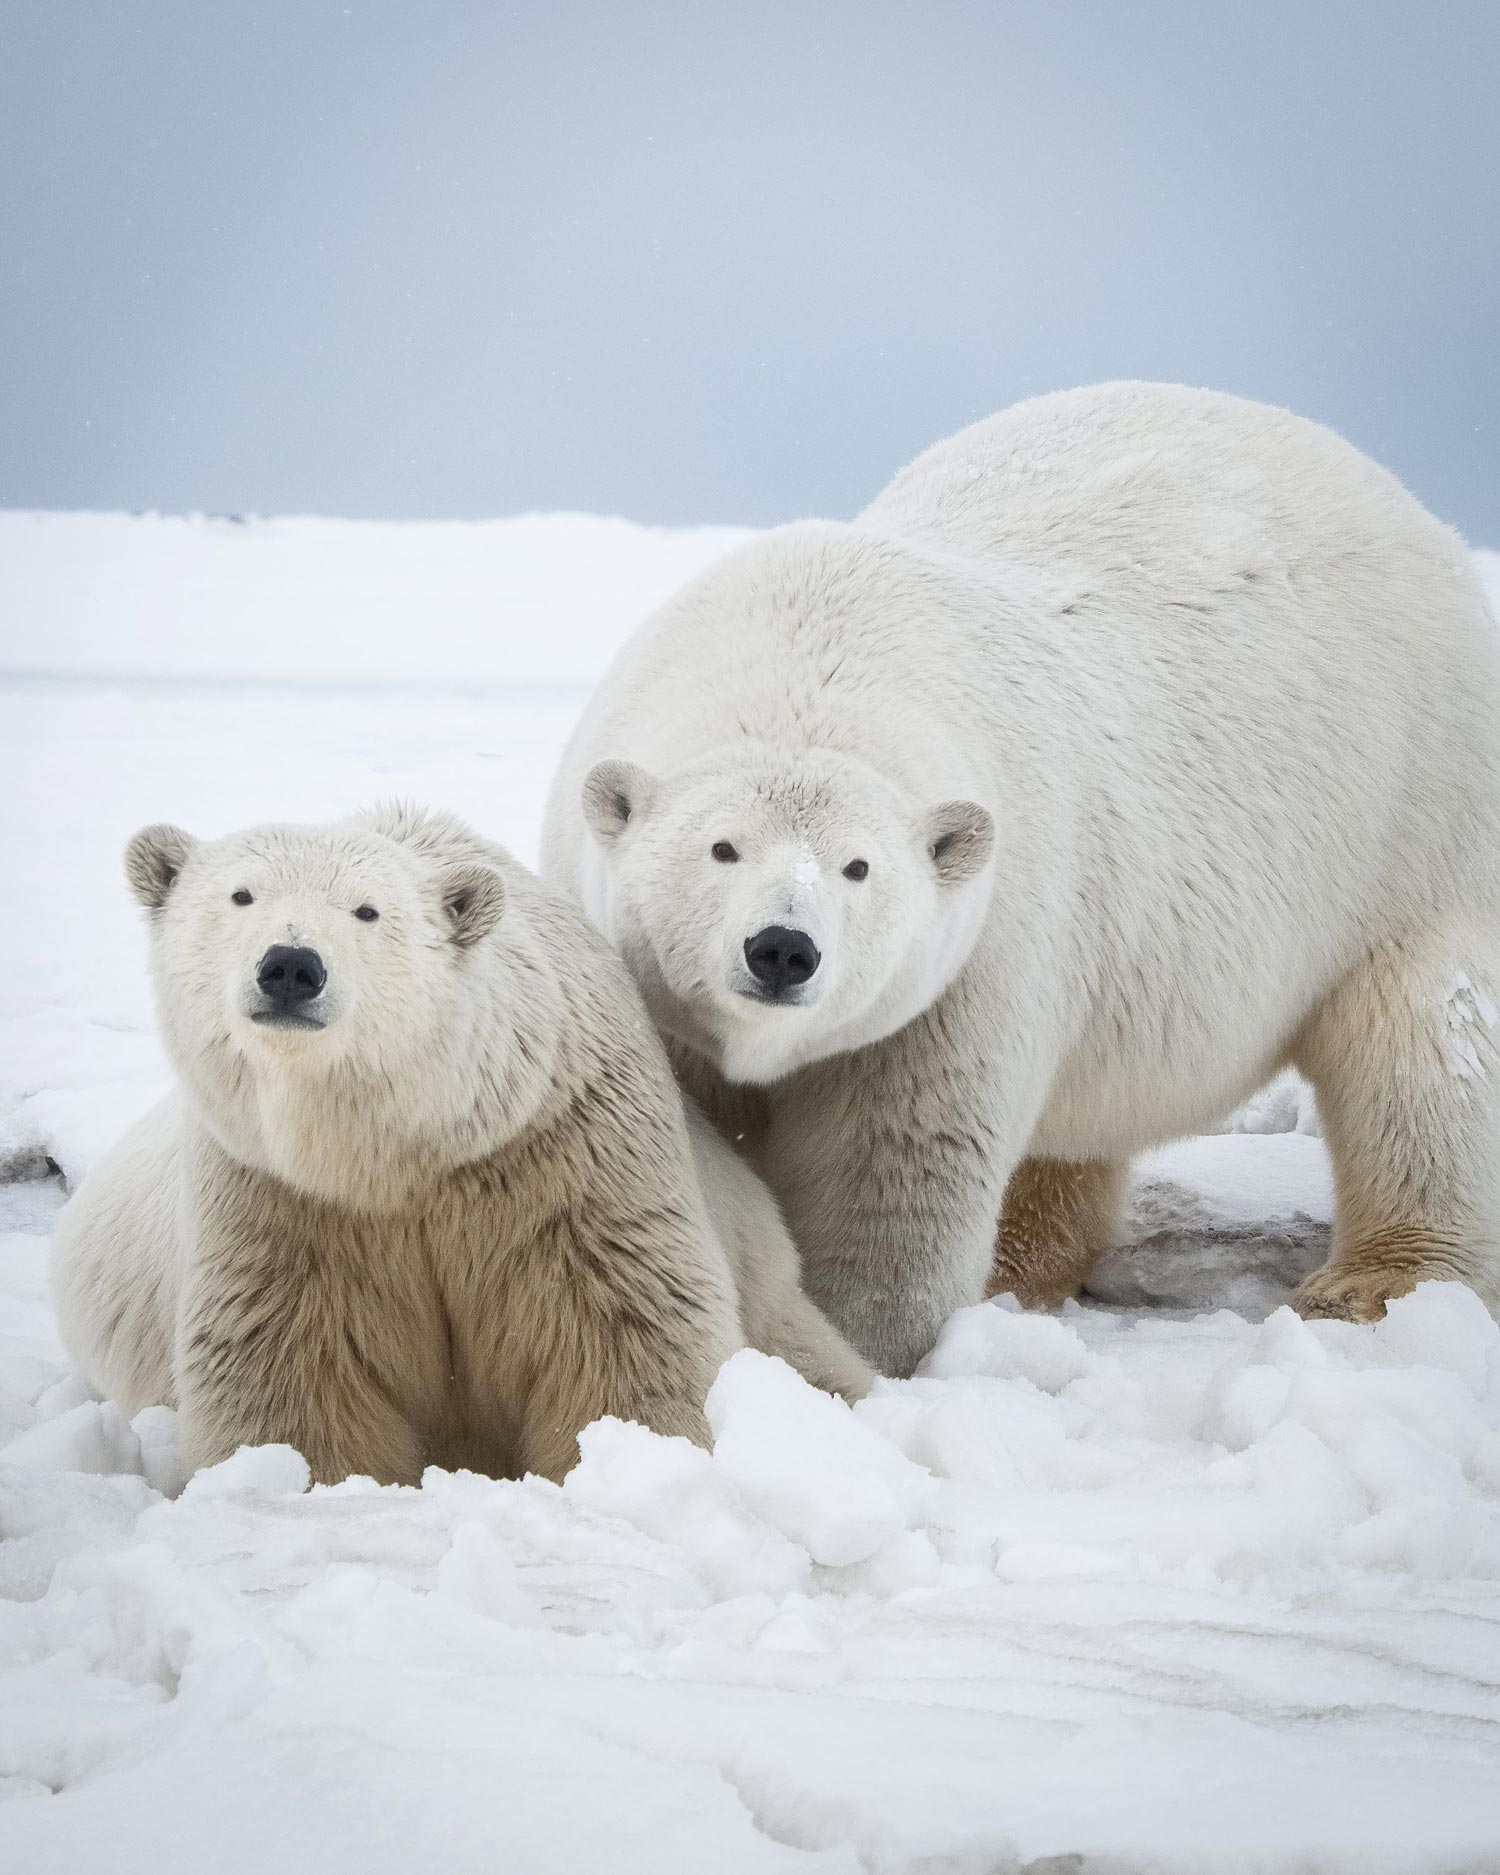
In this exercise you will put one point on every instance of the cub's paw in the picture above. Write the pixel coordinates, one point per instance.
(1343, 1295)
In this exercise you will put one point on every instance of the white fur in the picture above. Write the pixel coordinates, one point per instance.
(1230, 696)
(452, 1217)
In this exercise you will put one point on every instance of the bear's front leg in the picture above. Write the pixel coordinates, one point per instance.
(630, 1314)
(890, 1165)
(318, 1400)
(283, 1339)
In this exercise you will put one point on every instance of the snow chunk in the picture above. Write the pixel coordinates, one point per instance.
(805, 1464)
(90, 1437)
(479, 1574)
(162, 1463)
(253, 1471)
(1445, 1325)
(679, 1495)
(1002, 1339)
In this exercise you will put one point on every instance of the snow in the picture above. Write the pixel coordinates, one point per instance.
(1467, 1014)
(1171, 1581)
(297, 601)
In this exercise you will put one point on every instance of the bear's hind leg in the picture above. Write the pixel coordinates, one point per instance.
(1059, 1217)
(1405, 1057)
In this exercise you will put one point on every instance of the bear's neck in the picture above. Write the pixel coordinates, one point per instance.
(352, 1133)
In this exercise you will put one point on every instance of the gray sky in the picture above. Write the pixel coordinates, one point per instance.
(721, 261)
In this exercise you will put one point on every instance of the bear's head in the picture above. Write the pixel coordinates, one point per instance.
(340, 1001)
(779, 907)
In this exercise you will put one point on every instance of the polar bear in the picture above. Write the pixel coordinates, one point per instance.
(1133, 743)
(426, 1192)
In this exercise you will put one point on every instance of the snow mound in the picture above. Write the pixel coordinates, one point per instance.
(1092, 1583)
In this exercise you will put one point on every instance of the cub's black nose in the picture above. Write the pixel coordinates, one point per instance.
(289, 975)
(781, 959)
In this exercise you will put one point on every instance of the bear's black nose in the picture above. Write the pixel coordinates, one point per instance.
(289, 975)
(781, 959)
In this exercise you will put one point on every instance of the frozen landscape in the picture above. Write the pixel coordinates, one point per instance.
(1171, 1581)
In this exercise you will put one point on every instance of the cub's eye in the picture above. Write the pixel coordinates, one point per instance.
(724, 852)
(367, 914)
(242, 897)
(857, 869)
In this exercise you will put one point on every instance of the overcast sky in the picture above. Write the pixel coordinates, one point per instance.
(721, 260)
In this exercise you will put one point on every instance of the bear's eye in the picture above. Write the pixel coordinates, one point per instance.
(366, 913)
(242, 897)
(724, 852)
(857, 869)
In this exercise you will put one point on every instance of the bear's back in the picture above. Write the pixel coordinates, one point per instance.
(1156, 480)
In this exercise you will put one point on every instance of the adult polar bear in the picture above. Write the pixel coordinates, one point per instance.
(1133, 743)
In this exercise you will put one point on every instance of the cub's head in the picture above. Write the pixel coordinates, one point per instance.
(327, 993)
(776, 908)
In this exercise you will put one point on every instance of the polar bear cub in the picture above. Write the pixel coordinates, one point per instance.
(426, 1191)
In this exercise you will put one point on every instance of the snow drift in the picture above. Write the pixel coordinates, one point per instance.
(537, 599)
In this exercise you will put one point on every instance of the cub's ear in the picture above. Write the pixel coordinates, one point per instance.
(153, 860)
(473, 899)
(959, 836)
(614, 795)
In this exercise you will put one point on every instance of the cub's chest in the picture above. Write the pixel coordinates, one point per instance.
(494, 1251)
(480, 1305)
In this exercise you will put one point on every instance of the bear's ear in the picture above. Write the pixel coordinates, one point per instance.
(473, 899)
(153, 860)
(959, 836)
(616, 793)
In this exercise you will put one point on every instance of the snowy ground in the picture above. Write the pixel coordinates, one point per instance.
(1170, 1582)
